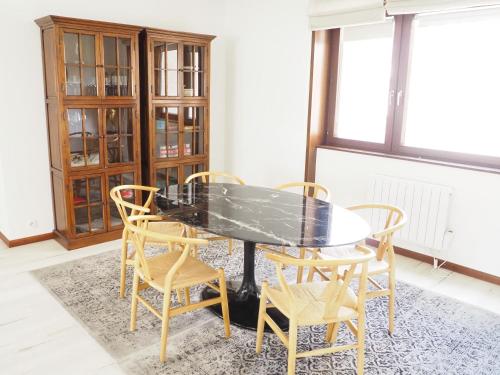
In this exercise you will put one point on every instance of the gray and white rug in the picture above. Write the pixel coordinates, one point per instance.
(434, 334)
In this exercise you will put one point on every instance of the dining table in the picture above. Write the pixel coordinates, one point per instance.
(258, 215)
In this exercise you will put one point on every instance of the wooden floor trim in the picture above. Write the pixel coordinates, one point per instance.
(447, 265)
(26, 240)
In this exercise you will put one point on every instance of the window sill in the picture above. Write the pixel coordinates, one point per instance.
(414, 159)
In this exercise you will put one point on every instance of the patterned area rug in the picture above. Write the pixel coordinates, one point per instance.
(434, 334)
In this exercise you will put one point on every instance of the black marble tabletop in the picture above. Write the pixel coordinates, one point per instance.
(261, 215)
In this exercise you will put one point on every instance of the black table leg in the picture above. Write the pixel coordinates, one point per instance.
(244, 297)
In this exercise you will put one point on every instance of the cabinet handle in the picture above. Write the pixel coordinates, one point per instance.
(62, 87)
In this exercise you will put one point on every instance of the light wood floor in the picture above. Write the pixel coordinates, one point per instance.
(38, 336)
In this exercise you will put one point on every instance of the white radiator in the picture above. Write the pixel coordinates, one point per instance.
(427, 206)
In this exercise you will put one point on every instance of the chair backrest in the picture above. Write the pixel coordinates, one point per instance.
(212, 176)
(395, 219)
(122, 205)
(310, 189)
(137, 225)
(335, 293)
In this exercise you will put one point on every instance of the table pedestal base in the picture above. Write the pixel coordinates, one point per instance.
(244, 297)
(244, 313)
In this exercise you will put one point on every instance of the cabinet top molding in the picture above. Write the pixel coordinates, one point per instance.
(52, 20)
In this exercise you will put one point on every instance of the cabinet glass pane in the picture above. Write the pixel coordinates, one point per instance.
(172, 83)
(81, 220)
(124, 51)
(80, 192)
(160, 82)
(80, 64)
(126, 120)
(119, 135)
(159, 55)
(125, 83)
(111, 81)
(117, 66)
(127, 148)
(89, 81)
(95, 190)
(71, 48)
(193, 57)
(193, 66)
(96, 218)
(190, 169)
(92, 136)
(75, 132)
(166, 177)
(109, 50)
(73, 80)
(166, 69)
(172, 56)
(167, 129)
(88, 207)
(112, 119)
(83, 132)
(193, 131)
(88, 49)
(127, 194)
(193, 83)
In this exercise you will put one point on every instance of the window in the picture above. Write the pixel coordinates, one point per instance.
(364, 70)
(422, 86)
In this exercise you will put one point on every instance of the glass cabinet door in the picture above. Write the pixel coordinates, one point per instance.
(88, 207)
(83, 134)
(193, 128)
(80, 64)
(166, 124)
(117, 66)
(127, 178)
(166, 69)
(167, 176)
(119, 129)
(193, 70)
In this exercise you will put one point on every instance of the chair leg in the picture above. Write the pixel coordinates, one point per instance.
(133, 309)
(187, 296)
(194, 234)
(179, 296)
(230, 246)
(224, 302)
(300, 269)
(164, 325)
(123, 263)
(332, 331)
(361, 344)
(392, 300)
(292, 346)
(260, 320)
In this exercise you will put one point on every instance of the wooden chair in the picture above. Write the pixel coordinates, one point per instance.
(156, 223)
(385, 262)
(212, 176)
(309, 189)
(314, 303)
(175, 270)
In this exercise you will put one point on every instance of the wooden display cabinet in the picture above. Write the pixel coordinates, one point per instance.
(91, 72)
(175, 82)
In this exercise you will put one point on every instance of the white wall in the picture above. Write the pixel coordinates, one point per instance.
(475, 207)
(23, 136)
(268, 53)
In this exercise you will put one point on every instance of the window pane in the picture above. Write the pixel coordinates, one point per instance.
(452, 93)
(363, 84)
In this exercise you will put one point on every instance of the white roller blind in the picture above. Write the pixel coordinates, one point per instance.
(331, 14)
(420, 6)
